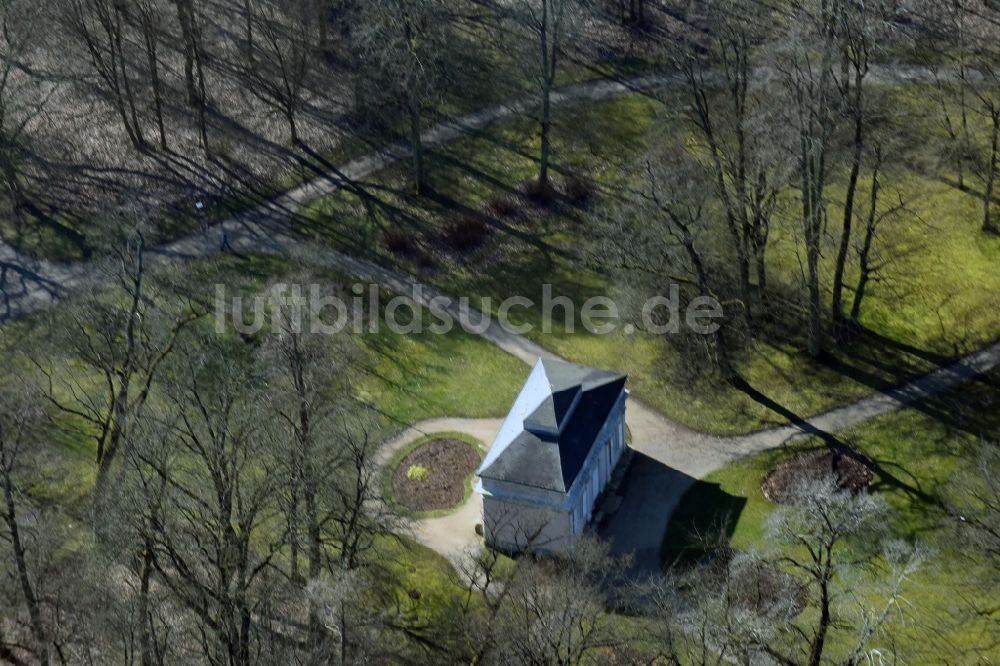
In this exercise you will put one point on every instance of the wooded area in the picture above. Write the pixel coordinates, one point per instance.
(176, 496)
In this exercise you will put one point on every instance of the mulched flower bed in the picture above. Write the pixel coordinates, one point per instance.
(853, 471)
(448, 462)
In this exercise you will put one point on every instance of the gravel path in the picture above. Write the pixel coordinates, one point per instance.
(669, 456)
(453, 534)
(27, 285)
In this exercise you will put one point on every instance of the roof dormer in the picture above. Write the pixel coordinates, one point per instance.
(554, 412)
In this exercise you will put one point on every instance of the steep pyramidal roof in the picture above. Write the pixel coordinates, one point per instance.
(553, 425)
(552, 413)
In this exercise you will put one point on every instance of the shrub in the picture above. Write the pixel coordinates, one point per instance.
(399, 241)
(579, 190)
(465, 233)
(542, 195)
(479, 529)
(502, 204)
(425, 261)
(418, 473)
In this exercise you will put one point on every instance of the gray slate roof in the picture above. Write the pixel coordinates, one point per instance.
(578, 403)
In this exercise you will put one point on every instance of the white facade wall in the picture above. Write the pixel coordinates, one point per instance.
(516, 516)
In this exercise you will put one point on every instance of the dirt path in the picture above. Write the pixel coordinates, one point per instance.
(669, 456)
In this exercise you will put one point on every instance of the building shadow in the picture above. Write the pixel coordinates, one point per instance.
(701, 526)
(653, 496)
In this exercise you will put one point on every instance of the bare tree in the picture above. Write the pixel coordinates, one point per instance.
(974, 503)
(988, 96)
(308, 374)
(406, 46)
(189, 20)
(547, 610)
(968, 92)
(209, 545)
(19, 416)
(101, 27)
(121, 338)
(730, 115)
(359, 516)
(819, 522)
(661, 238)
(22, 101)
(862, 29)
(279, 52)
(720, 611)
(151, 26)
(633, 12)
(784, 606)
(546, 28)
(871, 259)
(807, 65)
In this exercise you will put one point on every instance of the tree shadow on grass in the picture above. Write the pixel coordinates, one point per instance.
(883, 477)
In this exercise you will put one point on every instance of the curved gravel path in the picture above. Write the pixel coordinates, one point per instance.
(669, 456)
(27, 285)
(453, 534)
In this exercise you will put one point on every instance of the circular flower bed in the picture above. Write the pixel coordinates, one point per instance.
(853, 472)
(432, 476)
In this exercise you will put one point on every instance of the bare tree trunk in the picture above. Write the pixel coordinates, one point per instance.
(194, 68)
(127, 87)
(21, 566)
(413, 104)
(323, 24)
(823, 627)
(989, 224)
(812, 220)
(548, 46)
(185, 19)
(104, 45)
(546, 147)
(760, 249)
(864, 254)
(723, 363)
(294, 527)
(146, 647)
(730, 164)
(416, 145)
(852, 187)
(149, 36)
(202, 101)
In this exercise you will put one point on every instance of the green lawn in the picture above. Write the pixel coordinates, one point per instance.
(920, 449)
(938, 297)
(405, 378)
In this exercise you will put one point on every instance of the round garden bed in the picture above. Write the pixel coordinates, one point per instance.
(853, 472)
(432, 477)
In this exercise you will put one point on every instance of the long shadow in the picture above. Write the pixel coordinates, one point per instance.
(965, 188)
(972, 408)
(885, 341)
(962, 412)
(885, 478)
(794, 419)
